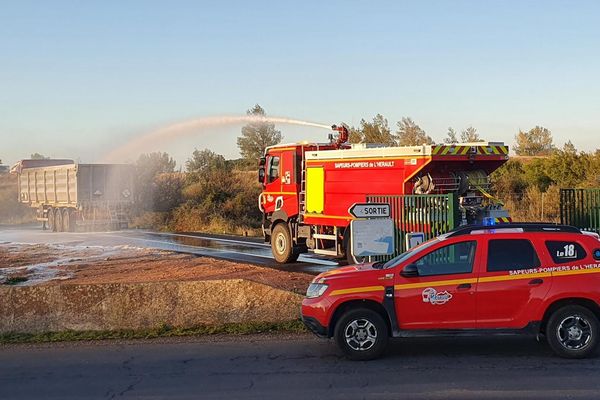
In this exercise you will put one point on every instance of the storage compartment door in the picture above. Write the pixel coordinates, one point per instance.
(315, 189)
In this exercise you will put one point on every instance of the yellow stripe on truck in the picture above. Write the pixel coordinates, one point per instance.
(364, 289)
(417, 285)
(450, 282)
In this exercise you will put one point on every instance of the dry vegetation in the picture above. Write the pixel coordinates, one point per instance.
(213, 195)
(11, 211)
(530, 186)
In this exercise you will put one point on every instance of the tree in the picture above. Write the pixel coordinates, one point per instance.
(377, 131)
(451, 136)
(509, 179)
(167, 193)
(38, 156)
(566, 167)
(411, 134)
(257, 135)
(203, 161)
(148, 167)
(470, 135)
(354, 135)
(535, 142)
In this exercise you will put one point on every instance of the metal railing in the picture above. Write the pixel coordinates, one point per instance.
(432, 214)
(580, 208)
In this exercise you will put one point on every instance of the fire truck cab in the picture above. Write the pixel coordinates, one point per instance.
(308, 188)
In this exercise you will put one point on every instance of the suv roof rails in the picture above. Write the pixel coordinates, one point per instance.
(525, 226)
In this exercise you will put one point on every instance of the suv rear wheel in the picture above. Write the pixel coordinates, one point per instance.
(361, 334)
(572, 332)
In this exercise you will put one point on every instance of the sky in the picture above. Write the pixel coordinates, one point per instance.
(79, 79)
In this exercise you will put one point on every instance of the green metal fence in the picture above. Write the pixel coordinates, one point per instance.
(580, 208)
(432, 214)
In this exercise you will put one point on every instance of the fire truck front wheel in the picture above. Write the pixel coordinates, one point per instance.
(282, 246)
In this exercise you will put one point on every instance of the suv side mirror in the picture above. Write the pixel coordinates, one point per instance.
(410, 271)
(261, 175)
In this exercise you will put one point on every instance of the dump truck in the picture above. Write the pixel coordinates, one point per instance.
(69, 196)
(310, 189)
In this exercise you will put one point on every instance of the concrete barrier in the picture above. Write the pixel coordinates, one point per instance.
(115, 306)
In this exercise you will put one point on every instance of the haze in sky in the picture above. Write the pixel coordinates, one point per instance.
(79, 78)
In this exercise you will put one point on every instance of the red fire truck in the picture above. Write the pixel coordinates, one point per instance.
(308, 188)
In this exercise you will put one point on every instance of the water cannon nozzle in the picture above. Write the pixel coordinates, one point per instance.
(343, 134)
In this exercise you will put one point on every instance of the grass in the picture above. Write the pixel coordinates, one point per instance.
(294, 326)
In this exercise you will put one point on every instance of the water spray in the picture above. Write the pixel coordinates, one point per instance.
(191, 127)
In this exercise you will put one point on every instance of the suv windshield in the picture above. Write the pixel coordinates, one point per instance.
(415, 250)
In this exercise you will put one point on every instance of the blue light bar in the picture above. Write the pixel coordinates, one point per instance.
(489, 221)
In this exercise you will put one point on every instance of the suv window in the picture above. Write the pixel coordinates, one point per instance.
(273, 169)
(455, 258)
(564, 252)
(511, 254)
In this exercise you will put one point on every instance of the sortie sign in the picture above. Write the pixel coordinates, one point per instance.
(370, 210)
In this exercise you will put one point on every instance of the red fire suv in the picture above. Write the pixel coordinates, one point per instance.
(540, 279)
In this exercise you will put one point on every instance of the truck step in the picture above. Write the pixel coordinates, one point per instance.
(325, 252)
(324, 236)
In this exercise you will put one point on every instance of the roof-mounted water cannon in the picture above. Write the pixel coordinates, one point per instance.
(342, 136)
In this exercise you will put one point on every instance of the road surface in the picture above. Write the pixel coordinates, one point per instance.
(293, 367)
(241, 249)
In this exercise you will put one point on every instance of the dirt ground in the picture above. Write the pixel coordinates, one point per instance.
(23, 264)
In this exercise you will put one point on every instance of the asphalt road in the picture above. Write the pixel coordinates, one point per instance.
(293, 367)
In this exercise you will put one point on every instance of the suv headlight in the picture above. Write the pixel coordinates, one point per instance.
(315, 290)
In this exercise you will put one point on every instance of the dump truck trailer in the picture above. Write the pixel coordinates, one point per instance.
(69, 196)
(309, 189)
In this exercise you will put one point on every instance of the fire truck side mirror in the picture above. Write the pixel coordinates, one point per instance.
(261, 175)
(410, 271)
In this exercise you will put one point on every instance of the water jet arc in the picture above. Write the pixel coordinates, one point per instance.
(190, 127)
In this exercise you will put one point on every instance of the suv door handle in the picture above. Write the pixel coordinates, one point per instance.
(463, 286)
(536, 281)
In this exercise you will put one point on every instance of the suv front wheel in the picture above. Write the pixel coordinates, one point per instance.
(361, 334)
(572, 332)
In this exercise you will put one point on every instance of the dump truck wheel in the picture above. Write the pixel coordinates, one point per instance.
(68, 221)
(58, 220)
(282, 246)
(51, 220)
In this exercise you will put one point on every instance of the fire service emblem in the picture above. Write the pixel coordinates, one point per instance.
(431, 296)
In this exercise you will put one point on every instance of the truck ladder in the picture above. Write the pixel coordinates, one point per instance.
(302, 194)
(326, 237)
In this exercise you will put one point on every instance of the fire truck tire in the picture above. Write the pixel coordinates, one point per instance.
(51, 220)
(361, 334)
(58, 220)
(282, 246)
(572, 332)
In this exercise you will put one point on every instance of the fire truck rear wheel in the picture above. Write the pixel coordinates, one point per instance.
(361, 334)
(282, 246)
